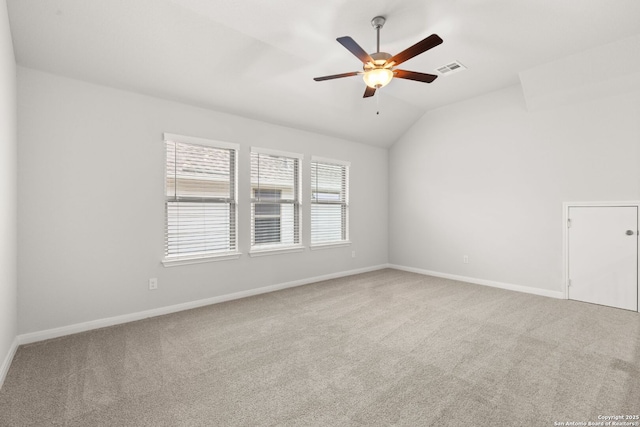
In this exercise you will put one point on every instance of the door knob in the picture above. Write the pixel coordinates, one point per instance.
(630, 233)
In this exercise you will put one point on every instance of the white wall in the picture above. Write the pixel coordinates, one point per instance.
(91, 203)
(8, 194)
(485, 178)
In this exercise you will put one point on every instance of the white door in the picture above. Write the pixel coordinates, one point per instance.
(603, 255)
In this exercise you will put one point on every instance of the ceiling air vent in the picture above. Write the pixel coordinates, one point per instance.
(450, 68)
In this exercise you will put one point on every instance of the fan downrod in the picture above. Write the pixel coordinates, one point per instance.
(378, 23)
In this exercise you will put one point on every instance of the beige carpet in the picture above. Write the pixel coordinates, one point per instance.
(382, 348)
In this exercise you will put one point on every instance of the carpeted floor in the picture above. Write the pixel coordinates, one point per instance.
(381, 348)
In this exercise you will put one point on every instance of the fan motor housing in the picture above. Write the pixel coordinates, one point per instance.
(379, 59)
(380, 56)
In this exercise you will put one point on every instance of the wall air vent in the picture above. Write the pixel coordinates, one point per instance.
(450, 68)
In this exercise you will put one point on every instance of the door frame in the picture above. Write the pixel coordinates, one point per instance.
(565, 238)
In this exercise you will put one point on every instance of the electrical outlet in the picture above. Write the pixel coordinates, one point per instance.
(153, 284)
(465, 259)
(353, 254)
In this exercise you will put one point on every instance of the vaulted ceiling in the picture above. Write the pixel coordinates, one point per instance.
(258, 58)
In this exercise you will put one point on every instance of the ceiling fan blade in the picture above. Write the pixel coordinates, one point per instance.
(422, 46)
(412, 75)
(355, 48)
(369, 91)
(336, 76)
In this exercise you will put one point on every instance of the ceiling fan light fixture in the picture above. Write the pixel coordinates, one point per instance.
(379, 67)
(377, 77)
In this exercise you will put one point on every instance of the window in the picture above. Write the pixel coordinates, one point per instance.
(275, 200)
(329, 201)
(200, 191)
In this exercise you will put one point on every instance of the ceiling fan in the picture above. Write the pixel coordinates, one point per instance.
(378, 69)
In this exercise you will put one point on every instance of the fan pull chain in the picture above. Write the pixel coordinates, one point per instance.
(378, 102)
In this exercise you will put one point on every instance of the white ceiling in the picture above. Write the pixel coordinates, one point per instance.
(257, 58)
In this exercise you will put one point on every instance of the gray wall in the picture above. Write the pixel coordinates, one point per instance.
(91, 204)
(486, 178)
(8, 190)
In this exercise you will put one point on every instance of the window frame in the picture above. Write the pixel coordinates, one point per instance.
(334, 243)
(276, 248)
(233, 253)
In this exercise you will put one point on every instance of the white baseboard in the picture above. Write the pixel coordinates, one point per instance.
(116, 320)
(6, 363)
(501, 285)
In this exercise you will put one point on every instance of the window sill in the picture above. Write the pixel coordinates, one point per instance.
(200, 259)
(275, 251)
(321, 246)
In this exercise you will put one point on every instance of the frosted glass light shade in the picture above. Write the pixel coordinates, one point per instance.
(378, 77)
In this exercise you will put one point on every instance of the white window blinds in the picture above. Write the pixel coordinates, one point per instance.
(200, 199)
(275, 199)
(329, 201)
